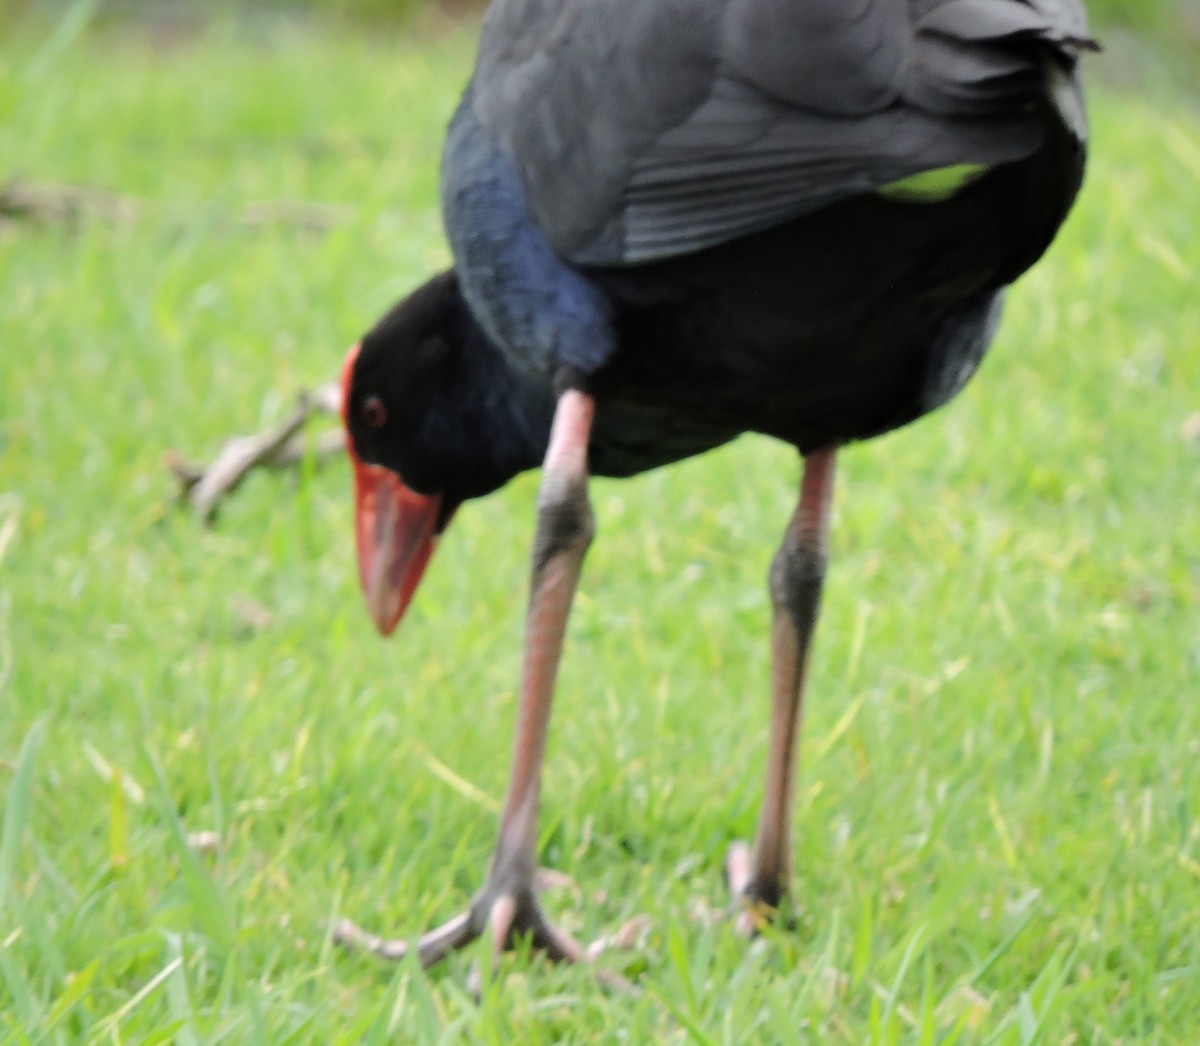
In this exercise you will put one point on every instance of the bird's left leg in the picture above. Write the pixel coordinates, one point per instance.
(758, 877)
(565, 526)
(507, 907)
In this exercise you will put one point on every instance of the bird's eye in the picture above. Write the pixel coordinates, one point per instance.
(373, 412)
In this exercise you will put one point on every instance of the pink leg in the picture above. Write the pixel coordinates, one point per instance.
(507, 906)
(760, 875)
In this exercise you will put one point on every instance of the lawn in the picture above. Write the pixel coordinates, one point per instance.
(998, 820)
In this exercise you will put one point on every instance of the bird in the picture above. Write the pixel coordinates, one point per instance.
(673, 222)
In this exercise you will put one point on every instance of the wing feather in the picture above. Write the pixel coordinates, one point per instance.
(651, 128)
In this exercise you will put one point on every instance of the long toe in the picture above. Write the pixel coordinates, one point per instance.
(431, 947)
(506, 918)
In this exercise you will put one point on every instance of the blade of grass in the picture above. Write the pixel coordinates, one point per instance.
(1003, 947)
(68, 30)
(18, 808)
(207, 903)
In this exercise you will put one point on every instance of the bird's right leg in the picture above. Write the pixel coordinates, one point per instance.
(507, 907)
(758, 877)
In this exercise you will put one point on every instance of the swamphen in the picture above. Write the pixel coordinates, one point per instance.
(674, 221)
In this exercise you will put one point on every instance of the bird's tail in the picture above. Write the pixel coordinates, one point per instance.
(980, 58)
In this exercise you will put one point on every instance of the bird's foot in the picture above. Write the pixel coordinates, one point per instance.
(508, 912)
(756, 898)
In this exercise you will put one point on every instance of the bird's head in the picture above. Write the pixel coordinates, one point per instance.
(391, 385)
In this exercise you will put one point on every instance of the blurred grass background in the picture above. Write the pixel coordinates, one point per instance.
(998, 815)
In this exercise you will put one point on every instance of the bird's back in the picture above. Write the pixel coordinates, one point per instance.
(648, 128)
(837, 326)
(716, 215)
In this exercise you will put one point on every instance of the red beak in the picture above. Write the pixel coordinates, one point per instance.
(395, 529)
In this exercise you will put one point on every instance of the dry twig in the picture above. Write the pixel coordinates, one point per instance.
(62, 204)
(50, 203)
(280, 446)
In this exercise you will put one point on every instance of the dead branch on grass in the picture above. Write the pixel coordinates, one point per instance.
(50, 203)
(54, 204)
(283, 445)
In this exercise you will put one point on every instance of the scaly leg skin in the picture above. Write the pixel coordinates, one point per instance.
(758, 878)
(507, 907)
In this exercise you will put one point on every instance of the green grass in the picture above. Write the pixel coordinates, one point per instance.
(997, 821)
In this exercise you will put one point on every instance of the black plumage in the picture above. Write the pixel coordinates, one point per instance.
(839, 322)
(708, 218)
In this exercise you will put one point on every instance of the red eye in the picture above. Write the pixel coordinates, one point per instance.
(373, 412)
